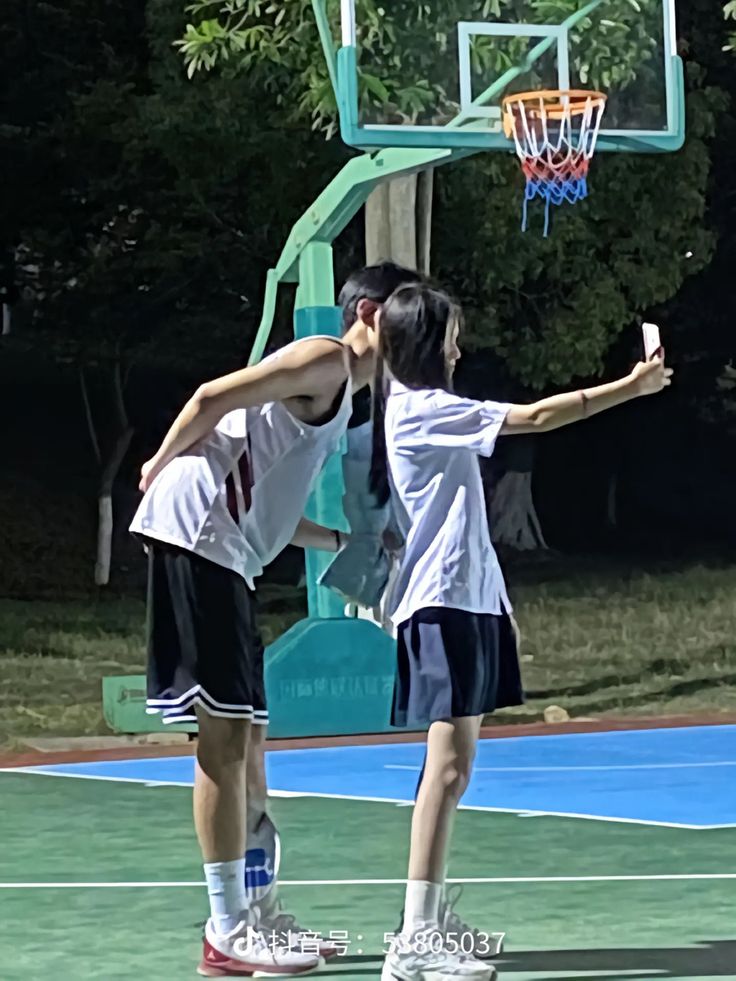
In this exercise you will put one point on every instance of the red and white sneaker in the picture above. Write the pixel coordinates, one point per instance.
(251, 951)
(275, 921)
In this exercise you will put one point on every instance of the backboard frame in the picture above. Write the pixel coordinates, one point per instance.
(455, 136)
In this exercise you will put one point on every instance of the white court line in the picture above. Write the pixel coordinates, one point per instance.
(526, 812)
(496, 880)
(518, 811)
(569, 769)
(146, 781)
(36, 771)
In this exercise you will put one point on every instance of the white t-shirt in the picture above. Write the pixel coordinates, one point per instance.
(433, 440)
(187, 503)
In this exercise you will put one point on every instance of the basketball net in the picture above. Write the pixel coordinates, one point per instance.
(555, 134)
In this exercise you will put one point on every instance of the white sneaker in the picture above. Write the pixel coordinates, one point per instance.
(275, 921)
(250, 951)
(458, 934)
(422, 957)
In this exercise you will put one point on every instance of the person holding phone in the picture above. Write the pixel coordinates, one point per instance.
(456, 654)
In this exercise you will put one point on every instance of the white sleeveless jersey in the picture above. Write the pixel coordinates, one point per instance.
(187, 504)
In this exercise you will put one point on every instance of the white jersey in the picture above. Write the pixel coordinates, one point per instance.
(237, 496)
(433, 440)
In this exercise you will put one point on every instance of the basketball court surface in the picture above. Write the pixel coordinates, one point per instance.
(603, 855)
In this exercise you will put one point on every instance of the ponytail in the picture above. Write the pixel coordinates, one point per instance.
(378, 479)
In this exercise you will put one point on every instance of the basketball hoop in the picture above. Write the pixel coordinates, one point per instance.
(555, 133)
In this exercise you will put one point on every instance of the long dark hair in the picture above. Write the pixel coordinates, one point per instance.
(416, 324)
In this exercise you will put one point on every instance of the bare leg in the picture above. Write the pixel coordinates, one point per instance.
(219, 787)
(448, 764)
(257, 790)
(263, 844)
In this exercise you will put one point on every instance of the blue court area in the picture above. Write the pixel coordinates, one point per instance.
(681, 778)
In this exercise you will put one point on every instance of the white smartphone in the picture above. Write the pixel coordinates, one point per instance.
(652, 342)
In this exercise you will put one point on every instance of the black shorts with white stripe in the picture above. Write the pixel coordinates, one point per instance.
(204, 647)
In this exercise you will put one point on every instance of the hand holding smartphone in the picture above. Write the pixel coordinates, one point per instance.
(652, 342)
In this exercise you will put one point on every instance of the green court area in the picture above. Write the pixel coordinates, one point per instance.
(101, 880)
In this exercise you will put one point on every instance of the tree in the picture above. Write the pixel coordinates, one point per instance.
(58, 249)
(133, 225)
(279, 44)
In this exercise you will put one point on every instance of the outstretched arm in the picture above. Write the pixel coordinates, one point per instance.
(647, 378)
(305, 370)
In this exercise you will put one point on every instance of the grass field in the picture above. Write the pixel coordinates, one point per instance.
(595, 642)
(53, 656)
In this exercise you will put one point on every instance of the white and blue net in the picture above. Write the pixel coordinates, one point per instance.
(555, 134)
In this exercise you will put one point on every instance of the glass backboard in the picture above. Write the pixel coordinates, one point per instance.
(433, 74)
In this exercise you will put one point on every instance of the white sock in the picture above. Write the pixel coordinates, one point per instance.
(422, 904)
(226, 889)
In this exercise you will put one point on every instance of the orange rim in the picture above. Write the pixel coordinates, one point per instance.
(550, 103)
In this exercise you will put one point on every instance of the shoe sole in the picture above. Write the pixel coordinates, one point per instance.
(206, 970)
(436, 976)
(495, 942)
(389, 974)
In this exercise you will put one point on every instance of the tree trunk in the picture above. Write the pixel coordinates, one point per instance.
(105, 523)
(88, 415)
(105, 518)
(514, 520)
(425, 199)
(398, 221)
(104, 540)
(377, 226)
(6, 319)
(513, 516)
